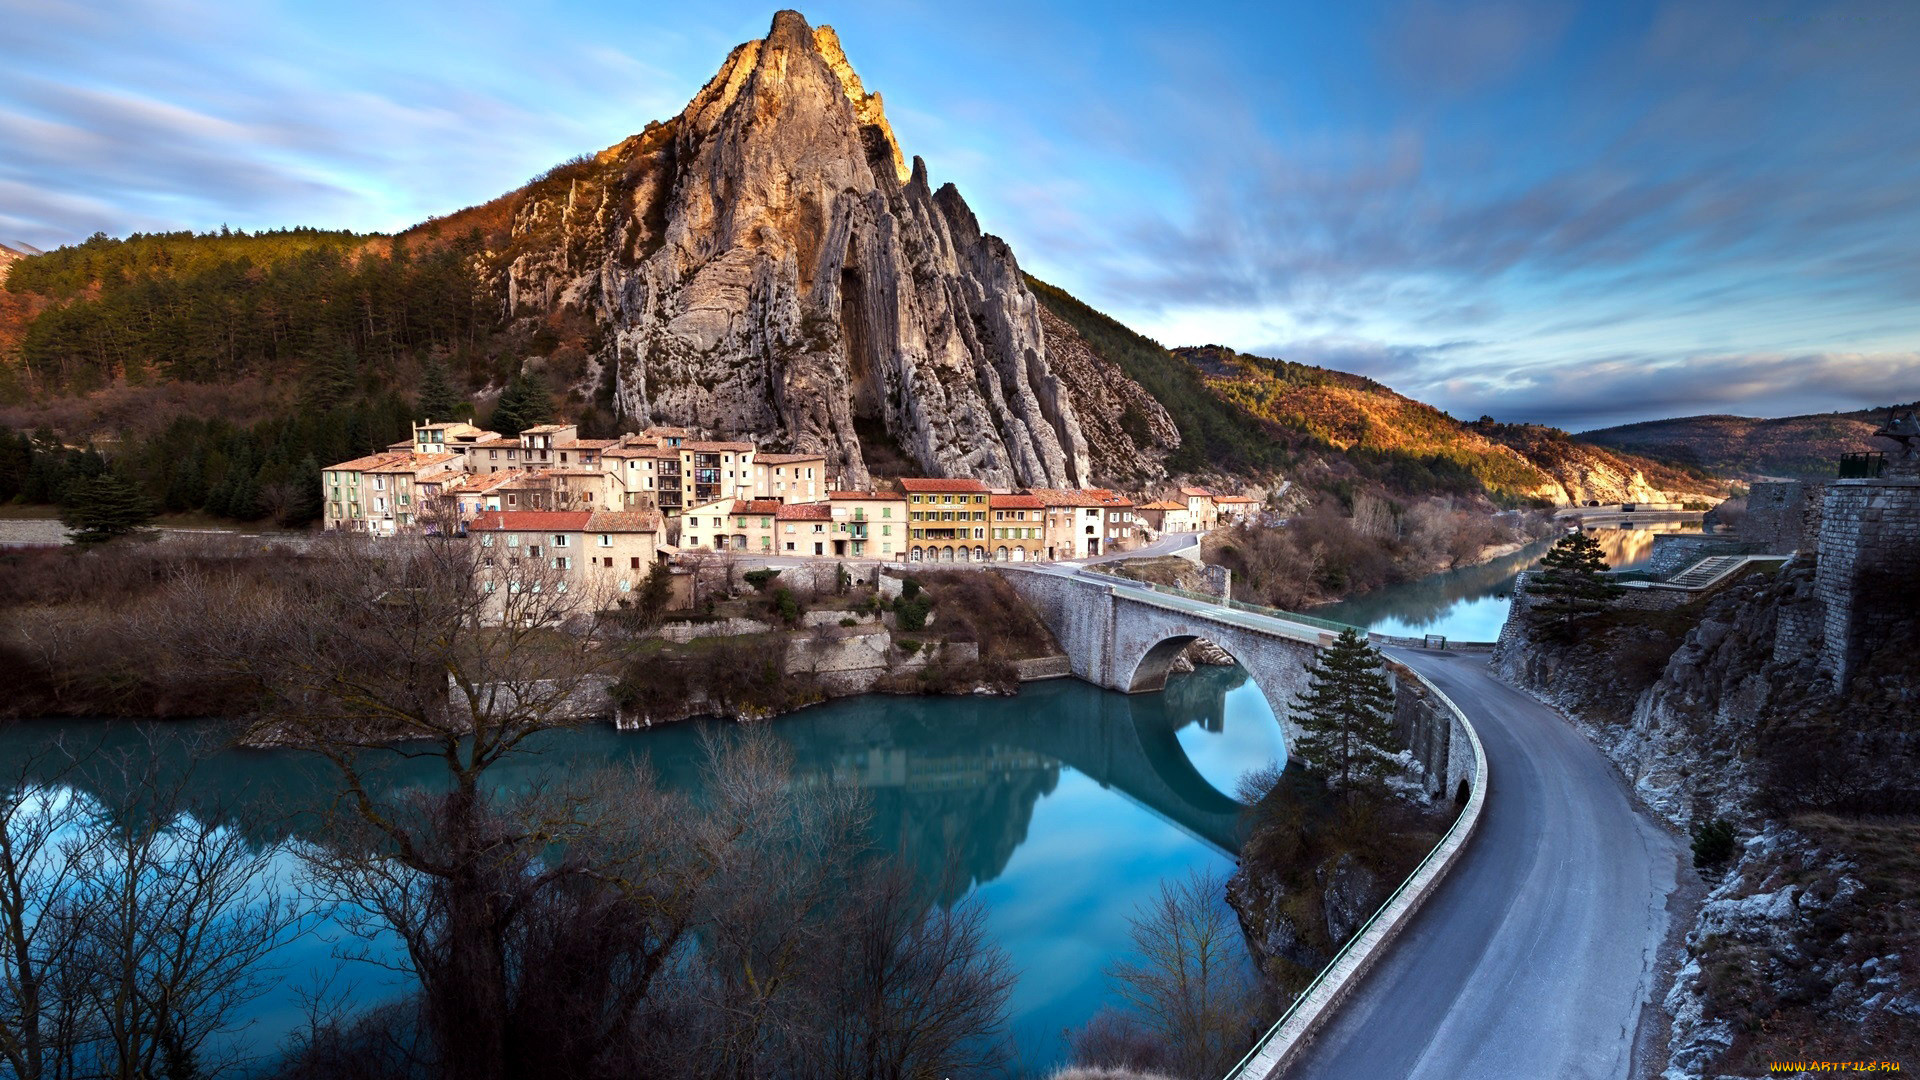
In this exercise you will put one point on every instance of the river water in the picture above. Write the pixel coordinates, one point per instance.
(1471, 603)
(1063, 808)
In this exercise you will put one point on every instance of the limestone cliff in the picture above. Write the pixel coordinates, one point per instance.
(767, 264)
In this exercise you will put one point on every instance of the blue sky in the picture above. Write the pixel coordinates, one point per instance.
(1577, 214)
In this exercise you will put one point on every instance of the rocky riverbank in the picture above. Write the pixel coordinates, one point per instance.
(1799, 796)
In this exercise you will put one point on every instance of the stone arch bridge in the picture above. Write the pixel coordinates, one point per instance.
(1125, 637)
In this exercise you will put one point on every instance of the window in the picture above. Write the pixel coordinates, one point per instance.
(559, 540)
(486, 541)
(625, 585)
(488, 588)
(533, 551)
(607, 562)
(513, 539)
(886, 511)
(561, 562)
(634, 564)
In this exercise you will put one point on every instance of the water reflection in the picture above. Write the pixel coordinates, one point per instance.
(1064, 807)
(1470, 604)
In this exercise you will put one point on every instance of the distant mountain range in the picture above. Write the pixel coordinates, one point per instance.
(765, 263)
(1745, 447)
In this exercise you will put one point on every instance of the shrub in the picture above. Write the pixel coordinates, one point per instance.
(912, 613)
(1712, 842)
(759, 579)
(786, 606)
(849, 621)
(909, 646)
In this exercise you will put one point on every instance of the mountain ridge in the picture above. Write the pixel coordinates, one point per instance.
(1805, 446)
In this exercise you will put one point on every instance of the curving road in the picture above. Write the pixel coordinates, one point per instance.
(1536, 954)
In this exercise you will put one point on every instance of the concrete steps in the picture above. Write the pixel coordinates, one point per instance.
(1706, 571)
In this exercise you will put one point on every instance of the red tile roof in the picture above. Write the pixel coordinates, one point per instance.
(716, 447)
(533, 520)
(1062, 497)
(805, 512)
(919, 485)
(1017, 502)
(1198, 492)
(756, 506)
(1232, 500)
(624, 521)
(786, 459)
(1165, 504)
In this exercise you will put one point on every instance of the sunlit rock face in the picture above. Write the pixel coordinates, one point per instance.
(766, 264)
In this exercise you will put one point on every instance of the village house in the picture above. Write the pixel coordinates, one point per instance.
(472, 494)
(869, 524)
(455, 437)
(383, 493)
(1164, 516)
(644, 474)
(1234, 509)
(1019, 527)
(753, 526)
(713, 471)
(1075, 522)
(1118, 528)
(802, 528)
(620, 547)
(704, 525)
(1200, 509)
(791, 478)
(948, 517)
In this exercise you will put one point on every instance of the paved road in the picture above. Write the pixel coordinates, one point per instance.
(1534, 957)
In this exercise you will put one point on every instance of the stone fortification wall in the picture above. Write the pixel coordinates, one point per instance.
(1674, 552)
(1869, 543)
(1782, 517)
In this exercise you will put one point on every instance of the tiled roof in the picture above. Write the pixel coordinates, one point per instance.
(532, 520)
(787, 459)
(1062, 497)
(667, 432)
(756, 506)
(867, 496)
(641, 452)
(546, 429)
(403, 444)
(624, 521)
(1165, 504)
(586, 444)
(1107, 498)
(942, 485)
(483, 481)
(1232, 500)
(805, 512)
(716, 447)
(1196, 492)
(1017, 502)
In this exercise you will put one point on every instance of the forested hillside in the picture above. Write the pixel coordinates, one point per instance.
(1791, 446)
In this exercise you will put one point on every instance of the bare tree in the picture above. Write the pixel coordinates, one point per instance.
(917, 990)
(136, 929)
(1193, 983)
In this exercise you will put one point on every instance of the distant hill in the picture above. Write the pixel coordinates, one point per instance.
(1370, 422)
(1748, 447)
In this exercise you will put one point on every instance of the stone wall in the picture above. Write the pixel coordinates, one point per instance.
(1435, 733)
(1869, 531)
(1674, 552)
(1782, 516)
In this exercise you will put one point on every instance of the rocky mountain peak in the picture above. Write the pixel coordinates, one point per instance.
(767, 264)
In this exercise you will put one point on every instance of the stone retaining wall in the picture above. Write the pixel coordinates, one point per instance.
(1869, 536)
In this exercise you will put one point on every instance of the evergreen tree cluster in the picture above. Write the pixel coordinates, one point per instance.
(217, 306)
(267, 471)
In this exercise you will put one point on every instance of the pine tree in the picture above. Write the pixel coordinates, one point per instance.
(104, 507)
(1346, 715)
(438, 399)
(1572, 580)
(525, 403)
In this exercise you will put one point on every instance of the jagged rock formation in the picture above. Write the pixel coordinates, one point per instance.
(765, 263)
(1128, 433)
